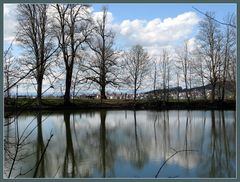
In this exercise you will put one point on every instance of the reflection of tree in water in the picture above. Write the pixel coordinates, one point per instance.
(69, 165)
(203, 131)
(103, 143)
(40, 155)
(163, 130)
(222, 148)
(138, 151)
(188, 137)
(107, 148)
(87, 113)
(9, 145)
(30, 153)
(92, 149)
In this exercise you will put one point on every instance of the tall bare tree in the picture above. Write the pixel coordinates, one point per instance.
(10, 72)
(137, 67)
(102, 64)
(35, 36)
(229, 52)
(155, 77)
(209, 39)
(72, 27)
(165, 73)
(200, 72)
(178, 84)
(185, 65)
(78, 79)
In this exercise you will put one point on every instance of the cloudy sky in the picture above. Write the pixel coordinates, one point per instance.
(151, 25)
(154, 26)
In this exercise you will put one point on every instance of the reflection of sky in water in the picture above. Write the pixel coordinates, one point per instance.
(136, 150)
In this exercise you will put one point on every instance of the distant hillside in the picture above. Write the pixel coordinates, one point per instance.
(228, 87)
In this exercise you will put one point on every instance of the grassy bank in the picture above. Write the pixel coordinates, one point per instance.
(57, 104)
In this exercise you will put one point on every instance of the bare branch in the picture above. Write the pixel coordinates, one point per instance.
(176, 152)
(227, 24)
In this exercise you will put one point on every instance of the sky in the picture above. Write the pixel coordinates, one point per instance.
(154, 26)
(163, 24)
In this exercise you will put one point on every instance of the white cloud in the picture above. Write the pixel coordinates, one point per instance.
(192, 44)
(98, 16)
(10, 22)
(157, 32)
(153, 34)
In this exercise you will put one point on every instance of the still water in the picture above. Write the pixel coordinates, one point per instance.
(122, 144)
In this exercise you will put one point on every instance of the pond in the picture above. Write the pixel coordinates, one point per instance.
(121, 144)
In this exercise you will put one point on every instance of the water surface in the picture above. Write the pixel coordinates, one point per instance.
(123, 144)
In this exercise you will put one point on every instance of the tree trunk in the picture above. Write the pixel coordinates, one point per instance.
(204, 89)
(168, 79)
(213, 92)
(186, 87)
(135, 94)
(224, 76)
(103, 94)
(177, 87)
(68, 86)
(39, 90)
(135, 88)
(155, 80)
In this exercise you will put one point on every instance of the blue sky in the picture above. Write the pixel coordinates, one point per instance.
(152, 10)
(149, 11)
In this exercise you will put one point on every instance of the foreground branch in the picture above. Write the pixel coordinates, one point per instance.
(38, 162)
(176, 151)
(227, 24)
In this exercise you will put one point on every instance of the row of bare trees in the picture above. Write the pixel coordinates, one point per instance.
(70, 37)
(217, 49)
(212, 62)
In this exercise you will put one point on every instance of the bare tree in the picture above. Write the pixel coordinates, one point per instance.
(78, 79)
(185, 65)
(72, 29)
(155, 78)
(178, 83)
(165, 73)
(137, 67)
(35, 36)
(200, 72)
(10, 71)
(209, 39)
(229, 52)
(10, 67)
(102, 64)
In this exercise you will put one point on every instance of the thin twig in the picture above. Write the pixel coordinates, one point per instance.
(19, 143)
(56, 171)
(51, 135)
(17, 148)
(10, 46)
(30, 71)
(227, 24)
(176, 151)
(24, 107)
(38, 163)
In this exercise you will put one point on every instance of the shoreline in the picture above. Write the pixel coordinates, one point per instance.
(57, 105)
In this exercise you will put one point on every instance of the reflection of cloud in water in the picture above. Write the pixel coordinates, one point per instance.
(190, 162)
(149, 139)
